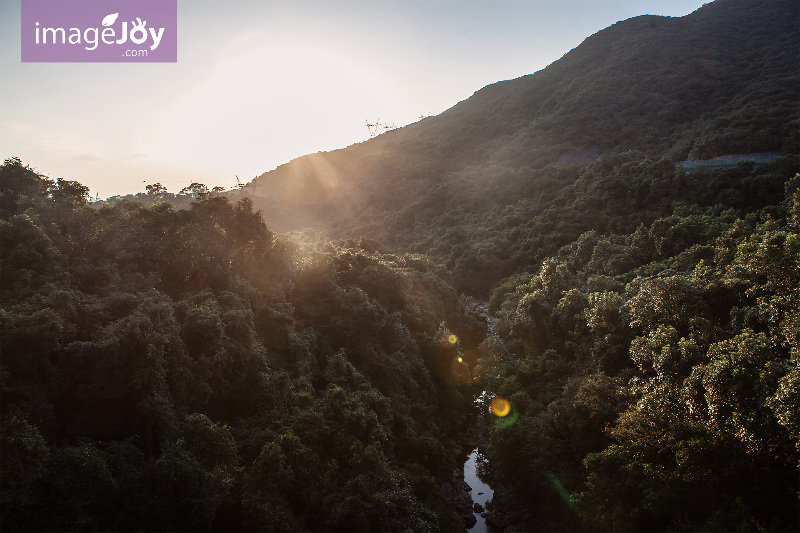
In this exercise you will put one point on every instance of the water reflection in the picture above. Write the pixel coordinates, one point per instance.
(480, 493)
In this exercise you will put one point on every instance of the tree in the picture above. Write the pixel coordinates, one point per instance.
(156, 190)
(70, 192)
(25, 460)
(195, 190)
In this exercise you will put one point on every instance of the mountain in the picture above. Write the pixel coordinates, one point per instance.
(720, 80)
(171, 368)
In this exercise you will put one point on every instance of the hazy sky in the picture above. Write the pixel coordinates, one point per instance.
(258, 83)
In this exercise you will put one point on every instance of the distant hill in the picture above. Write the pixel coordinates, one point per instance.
(721, 80)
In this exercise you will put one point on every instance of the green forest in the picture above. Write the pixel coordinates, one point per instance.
(655, 372)
(319, 349)
(190, 370)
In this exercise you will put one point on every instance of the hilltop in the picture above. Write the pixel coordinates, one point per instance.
(720, 80)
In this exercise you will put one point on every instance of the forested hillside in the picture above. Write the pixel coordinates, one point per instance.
(191, 370)
(721, 80)
(178, 363)
(654, 374)
(170, 369)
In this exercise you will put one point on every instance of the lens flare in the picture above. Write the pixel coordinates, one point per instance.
(452, 339)
(500, 406)
(562, 491)
(506, 421)
(460, 359)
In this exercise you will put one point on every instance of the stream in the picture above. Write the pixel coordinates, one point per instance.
(480, 493)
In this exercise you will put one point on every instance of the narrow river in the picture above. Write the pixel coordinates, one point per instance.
(480, 493)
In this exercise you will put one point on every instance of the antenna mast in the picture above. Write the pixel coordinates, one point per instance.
(374, 128)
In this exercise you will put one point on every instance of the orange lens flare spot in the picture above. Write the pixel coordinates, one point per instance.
(500, 406)
(452, 339)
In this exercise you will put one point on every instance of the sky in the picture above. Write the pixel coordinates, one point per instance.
(260, 82)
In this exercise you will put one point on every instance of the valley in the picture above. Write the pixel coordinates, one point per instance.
(553, 291)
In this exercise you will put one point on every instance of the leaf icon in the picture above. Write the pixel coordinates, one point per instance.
(109, 19)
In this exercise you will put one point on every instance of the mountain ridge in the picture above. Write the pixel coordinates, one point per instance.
(717, 81)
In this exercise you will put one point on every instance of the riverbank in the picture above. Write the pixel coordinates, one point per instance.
(463, 496)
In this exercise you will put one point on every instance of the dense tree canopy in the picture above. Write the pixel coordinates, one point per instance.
(189, 370)
(170, 363)
(655, 372)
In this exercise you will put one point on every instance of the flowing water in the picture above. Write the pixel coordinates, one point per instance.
(480, 493)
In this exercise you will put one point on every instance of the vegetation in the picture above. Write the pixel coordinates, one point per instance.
(653, 374)
(191, 370)
(722, 80)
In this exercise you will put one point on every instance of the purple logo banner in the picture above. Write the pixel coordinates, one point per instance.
(126, 31)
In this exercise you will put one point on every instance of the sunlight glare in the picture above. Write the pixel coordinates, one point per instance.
(262, 97)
